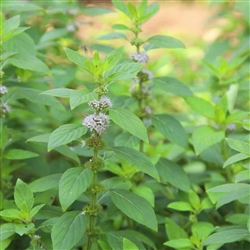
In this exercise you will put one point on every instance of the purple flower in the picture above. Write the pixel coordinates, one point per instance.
(139, 57)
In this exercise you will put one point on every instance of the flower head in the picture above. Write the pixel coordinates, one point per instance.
(139, 57)
(149, 74)
(3, 90)
(104, 103)
(5, 108)
(98, 122)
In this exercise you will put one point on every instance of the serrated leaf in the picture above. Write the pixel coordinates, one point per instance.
(227, 236)
(76, 57)
(122, 7)
(79, 97)
(53, 34)
(180, 206)
(21, 229)
(6, 230)
(33, 95)
(40, 138)
(171, 172)
(73, 183)
(173, 86)
(29, 63)
(120, 27)
(129, 122)
(174, 231)
(137, 159)
(35, 210)
(124, 71)
(61, 92)
(68, 230)
(171, 129)
(114, 57)
(45, 183)
(23, 194)
(180, 243)
(128, 245)
(12, 214)
(238, 145)
(111, 36)
(201, 106)
(168, 42)
(204, 137)
(65, 134)
(134, 207)
(19, 154)
(235, 158)
(145, 192)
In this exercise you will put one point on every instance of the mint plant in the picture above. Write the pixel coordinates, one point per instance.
(103, 146)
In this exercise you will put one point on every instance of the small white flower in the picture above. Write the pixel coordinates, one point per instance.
(71, 27)
(37, 236)
(149, 73)
(73, 11)
(83, 213)
(139, 57)
(5, 108)
(148, 110)
(231, 126)
(82, 143)
(104, 103)
(3, 90)
(98, 122)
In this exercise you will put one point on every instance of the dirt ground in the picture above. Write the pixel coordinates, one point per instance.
(188, 19)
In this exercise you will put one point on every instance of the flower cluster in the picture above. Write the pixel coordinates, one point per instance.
(104, 103)
(149, 74)
(139, 57)
(3, 90)
(5, 108)
(98, 122)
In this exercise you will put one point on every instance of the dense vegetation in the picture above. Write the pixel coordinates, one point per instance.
(127, 143)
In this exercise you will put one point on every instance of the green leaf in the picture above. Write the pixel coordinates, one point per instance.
(76, 58)
(36, 209)
(129, 122)
(179, 243)
(19, 154)
(204, 137)
(173, 86)
(241, 146)
(160, 41)
(235, 158)
(114, 57)
(65, 134)
(145, 192)
(40, 138)
(29, 63)
(134, 207)
(129, 245)
(111, 36)
(45, 183)
(23, 195)
(61, 92)
(11, 23)
(12, 214)
(120, 27)
(79, 97)
(242, 176)
(232, 96)
(227, 236)
(180, 206)
(68, 230)
(201, 106)
(65, 150)
(132, 10)
(137, 159)
(73, 183)
(94, 11)
(33, 95)
(202, 230)
(174, 231)
(124, 71)
(171, 129)
(53, 34)
(6, 230)
(21, 229)
(150, 11)
(21, 43)
(122, 7)
(171, 172)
